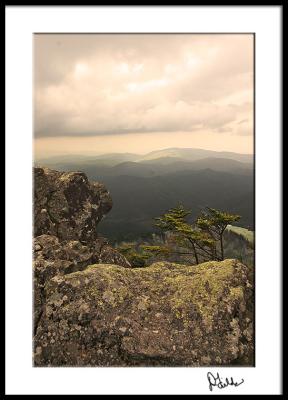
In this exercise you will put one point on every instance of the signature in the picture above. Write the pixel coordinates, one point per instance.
(216, 381)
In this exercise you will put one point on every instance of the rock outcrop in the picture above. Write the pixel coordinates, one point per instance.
(162, 315)
(52, 257)
(67, 205)
(92, 309)
(67, 210)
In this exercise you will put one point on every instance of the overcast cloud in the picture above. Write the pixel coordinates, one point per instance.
(101, 85)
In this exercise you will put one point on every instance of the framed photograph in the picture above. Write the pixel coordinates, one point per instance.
(153, 134)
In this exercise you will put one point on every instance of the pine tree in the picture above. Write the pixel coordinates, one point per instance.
(202, 240)
(214, 223)
(194, 242)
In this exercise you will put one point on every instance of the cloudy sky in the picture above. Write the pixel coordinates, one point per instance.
(102, 93)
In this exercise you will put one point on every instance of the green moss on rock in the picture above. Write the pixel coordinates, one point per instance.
(165, 314)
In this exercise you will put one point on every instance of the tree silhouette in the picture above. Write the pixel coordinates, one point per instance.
(214, 223)
(201, 240)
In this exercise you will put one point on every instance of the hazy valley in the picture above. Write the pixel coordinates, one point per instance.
(145, 186)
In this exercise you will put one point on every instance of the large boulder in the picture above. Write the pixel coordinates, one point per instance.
(163, 315)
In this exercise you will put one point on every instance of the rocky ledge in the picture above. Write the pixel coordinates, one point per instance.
(92, 309)
(67, 210)
(67, 205)
(165, 315)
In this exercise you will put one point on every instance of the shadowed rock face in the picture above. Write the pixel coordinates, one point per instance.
(162, 315)
(67, 210)
(67, 205)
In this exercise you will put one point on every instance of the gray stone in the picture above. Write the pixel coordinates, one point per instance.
(182, 324)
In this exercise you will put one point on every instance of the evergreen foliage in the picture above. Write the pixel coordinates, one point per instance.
(199, 241)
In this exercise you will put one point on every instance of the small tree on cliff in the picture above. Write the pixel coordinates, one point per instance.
(184, 238)
(214, 223)
(134, 254)
(200, 240)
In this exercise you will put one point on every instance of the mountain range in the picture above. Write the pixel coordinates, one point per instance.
(158, 156)
(145, 186)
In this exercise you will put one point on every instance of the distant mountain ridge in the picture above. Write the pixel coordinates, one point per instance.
(154, 168)
(159, 156)
(195, 154)
(100, 169)
(144, 187)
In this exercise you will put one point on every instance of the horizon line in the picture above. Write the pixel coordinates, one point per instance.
(90, 154)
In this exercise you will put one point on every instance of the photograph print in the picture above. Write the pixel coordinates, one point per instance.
(143, 200)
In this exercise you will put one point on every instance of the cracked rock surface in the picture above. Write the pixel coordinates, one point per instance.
(67, 205)
(92, 309)
(67, 210)
(163, 315)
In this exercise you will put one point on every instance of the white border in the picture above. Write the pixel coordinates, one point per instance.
(21, 22)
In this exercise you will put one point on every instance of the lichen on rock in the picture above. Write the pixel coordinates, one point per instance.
(165, 314)
(67, 210)
(67, 205)
(92, 309)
